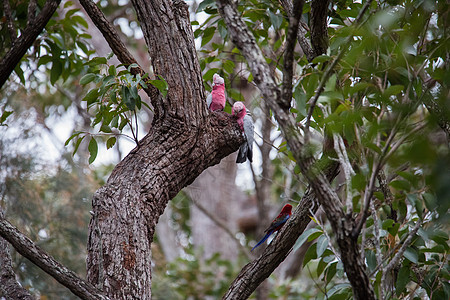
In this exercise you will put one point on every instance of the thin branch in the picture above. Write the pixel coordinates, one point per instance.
(376, 233)
(221, 224)
(330, 68)
(26, 40)
(288, 66)
(47, 263)
(377, 166)
(396, 259)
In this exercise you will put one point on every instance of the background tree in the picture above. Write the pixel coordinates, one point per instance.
(370, 78)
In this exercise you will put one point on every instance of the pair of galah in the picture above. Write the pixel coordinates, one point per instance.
(216, 102)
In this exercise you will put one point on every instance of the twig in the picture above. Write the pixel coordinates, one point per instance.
(396, 259)
(330, 68)
(376, 232)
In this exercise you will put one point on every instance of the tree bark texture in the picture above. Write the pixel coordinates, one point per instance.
(9, 286)
(318, 24)
(184, 140)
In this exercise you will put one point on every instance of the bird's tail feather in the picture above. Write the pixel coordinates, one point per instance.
(262, 240)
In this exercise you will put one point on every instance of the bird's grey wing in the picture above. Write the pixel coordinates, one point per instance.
(249, 130)
(209, 100)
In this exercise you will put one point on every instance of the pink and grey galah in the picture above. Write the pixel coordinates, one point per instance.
(216, 100)
(245, 122)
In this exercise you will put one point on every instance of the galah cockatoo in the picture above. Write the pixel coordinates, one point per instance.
(216, 100)
(277, 223)
(245, 122)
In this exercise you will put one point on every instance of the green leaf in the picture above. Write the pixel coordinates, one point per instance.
(112, 70)
(322, 244)
(110, 142)
(393, 90)
(208, 34)
(359, 87)
(371, 259)
(93, 149)
(321, 58)
(87, 78)
(275, 19)
(91, 96)
(411, 255)
(402, 279)
(206, 3)
(4, 116)
(77, 133)
(304, 236)
(161, 85)
(127, 99)
(56, 70)
(105, 128)
(77, 144)
(97, 61)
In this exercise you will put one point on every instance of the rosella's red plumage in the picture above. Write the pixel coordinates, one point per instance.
(277, 223)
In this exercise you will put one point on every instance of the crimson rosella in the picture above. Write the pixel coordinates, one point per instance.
(245, 122)
(216, 100)
(277, 223)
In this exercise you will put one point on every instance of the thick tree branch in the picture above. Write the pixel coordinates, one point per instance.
(302, 40)
(48, 264)
(25, 40)
(117, 46)
(288, 66)
(9, 286)
(318, 25)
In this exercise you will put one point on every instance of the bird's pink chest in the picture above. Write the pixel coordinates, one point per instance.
(218, 97)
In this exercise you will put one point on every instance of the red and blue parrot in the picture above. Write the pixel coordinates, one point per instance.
(277, 223)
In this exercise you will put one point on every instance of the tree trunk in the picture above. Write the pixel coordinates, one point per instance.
(185, 140)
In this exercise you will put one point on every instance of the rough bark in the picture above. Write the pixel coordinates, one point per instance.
(25, 40)
(47, 263)
(318, 24)
(9, 286)
(342, 225)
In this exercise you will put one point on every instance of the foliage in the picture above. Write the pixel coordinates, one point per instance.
(198, 279)
(393, 67)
